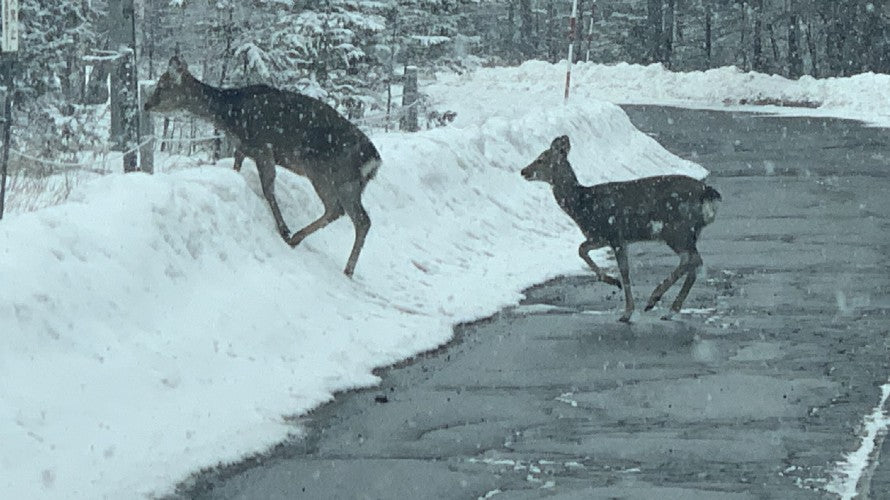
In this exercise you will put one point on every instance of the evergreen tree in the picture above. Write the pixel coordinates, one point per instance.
(50, 75)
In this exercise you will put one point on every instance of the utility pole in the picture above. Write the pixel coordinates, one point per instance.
(9, 46)
(124, 94)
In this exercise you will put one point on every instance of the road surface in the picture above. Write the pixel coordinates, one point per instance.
(755, 392)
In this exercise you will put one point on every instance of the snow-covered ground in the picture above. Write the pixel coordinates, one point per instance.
(154, 325)
(864, 97)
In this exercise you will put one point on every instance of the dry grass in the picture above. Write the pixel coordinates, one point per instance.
(772, 101)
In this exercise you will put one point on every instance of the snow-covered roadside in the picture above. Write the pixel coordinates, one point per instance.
(153, 325)
(864, 97)
(854, 467)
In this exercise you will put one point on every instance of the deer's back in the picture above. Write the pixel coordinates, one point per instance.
(659, 207)
(294, 124)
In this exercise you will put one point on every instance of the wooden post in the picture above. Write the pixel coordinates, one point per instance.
(410, 99)
(572, 28)
(146, 130)
(124, 99)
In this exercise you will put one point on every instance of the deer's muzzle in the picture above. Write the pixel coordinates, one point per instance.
(528, 173)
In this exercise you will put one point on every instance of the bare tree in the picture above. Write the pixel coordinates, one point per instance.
(654, 16)
(795, 63)
(758, 62)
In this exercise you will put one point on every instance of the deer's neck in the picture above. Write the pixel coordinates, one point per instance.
(567, 189)
(209, 103)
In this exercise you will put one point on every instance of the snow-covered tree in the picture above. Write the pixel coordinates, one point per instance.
(54, 39)
(328, 49)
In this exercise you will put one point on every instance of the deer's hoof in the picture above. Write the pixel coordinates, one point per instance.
(625, 318)
(294, 240)
(610, 281)
(668, 317)
(649, 306)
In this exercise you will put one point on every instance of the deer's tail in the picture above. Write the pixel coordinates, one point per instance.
(369, 170)
(710, 194)
(709, 199)
(372, 162)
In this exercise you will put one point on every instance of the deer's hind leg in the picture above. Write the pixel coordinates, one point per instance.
(690, 262)
(693, 265)
(624, 268)
(332, 211)
(351, 201)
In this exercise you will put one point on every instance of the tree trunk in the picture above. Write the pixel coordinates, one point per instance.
(811, 48)
(795, 63)
(552, 33)
(668, 33)
(654, 23)
(708, 34)
(758, 63)
(510, 33)
(679, 21)
(743, 46)
(835, 41)
(775, 46)
(526, 42)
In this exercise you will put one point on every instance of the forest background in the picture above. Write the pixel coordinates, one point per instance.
(351, 53)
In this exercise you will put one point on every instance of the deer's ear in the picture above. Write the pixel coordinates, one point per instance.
(561, 143)
(177, 67)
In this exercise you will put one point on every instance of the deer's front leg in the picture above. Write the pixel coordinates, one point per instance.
(584, 251)
(239, 159)
(624, 268)
(265, 165)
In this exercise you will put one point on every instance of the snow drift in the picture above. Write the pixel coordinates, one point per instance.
(153, 325)
(863, 97)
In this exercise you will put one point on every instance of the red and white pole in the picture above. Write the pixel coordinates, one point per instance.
(573, 21)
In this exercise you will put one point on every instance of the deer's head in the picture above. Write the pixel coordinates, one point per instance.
(172, 91)
(551, 164)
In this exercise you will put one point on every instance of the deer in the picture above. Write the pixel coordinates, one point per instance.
(279, 127)
(668, 208)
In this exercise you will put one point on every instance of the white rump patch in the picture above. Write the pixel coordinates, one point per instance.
(655, 227)
(709, 211)
(369, 168)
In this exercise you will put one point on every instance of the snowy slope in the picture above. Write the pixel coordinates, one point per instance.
(153, 325)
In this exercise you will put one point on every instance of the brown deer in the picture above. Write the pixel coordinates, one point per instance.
(668, 208)
(302, 134)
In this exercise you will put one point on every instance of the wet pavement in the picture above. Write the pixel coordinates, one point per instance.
(754, 392)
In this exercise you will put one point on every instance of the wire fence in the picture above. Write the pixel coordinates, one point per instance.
(36, 181)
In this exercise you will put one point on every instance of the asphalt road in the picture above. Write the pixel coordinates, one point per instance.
(755, 392)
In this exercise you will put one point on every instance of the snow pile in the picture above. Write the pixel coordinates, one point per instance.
(863, 97)
(153, 325)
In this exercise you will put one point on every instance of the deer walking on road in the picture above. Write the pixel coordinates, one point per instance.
(302, 134)
(668, 208)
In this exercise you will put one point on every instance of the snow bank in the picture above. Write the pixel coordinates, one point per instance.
(863, 97)
(153, 325)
